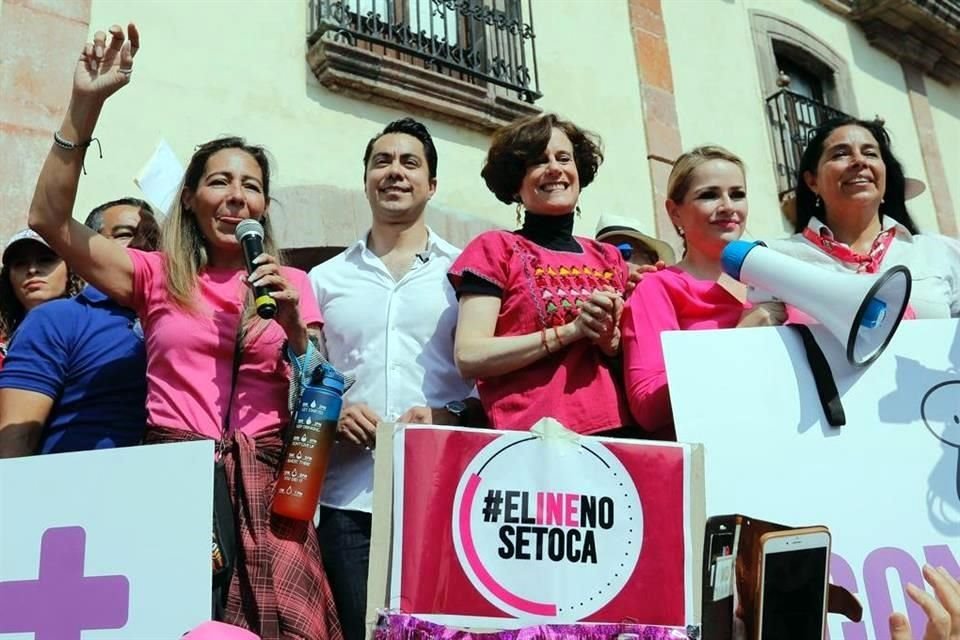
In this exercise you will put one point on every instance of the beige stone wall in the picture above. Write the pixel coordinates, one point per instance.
(588, 73)
(718, 95)
(38, 39)
(204, 71)
(945, 106)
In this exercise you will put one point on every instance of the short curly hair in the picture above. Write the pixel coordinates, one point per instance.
(519, 144)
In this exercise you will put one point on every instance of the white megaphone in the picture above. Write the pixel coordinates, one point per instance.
(862, 311)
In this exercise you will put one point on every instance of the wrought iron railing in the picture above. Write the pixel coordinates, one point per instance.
(793, 118)
(480, 41)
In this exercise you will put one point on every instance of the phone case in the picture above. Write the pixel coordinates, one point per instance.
(761, 542)
(729, 608)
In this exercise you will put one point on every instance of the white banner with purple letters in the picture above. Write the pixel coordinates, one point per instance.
(886, 483)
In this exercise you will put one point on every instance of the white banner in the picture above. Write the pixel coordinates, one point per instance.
(106, 545)
(886, 483)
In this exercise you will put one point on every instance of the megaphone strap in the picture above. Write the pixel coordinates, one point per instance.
(822, 377)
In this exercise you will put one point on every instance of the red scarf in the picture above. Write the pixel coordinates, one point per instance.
(869, 263)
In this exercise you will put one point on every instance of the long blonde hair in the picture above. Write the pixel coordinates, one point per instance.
(185, 247)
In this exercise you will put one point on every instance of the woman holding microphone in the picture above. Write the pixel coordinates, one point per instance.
(214, 369)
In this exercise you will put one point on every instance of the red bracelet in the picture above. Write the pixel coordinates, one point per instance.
(556, 334)
(543, 340)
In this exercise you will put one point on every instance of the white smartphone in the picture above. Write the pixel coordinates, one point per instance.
(794, 578)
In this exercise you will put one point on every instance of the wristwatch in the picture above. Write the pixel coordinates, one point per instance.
(458, 408)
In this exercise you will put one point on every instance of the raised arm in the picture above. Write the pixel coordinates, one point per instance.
(101, 70)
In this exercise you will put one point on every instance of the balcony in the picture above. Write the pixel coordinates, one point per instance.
(792, 119)
(471, 62)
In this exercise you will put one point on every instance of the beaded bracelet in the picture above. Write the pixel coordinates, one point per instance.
(63, 143)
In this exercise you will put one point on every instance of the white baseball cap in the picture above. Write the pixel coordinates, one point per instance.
(22, 236)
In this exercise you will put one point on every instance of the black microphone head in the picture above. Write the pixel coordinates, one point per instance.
(249, 227)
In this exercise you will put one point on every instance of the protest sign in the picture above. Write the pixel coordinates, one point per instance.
(885, 483)
(106, 545)
(508, 529)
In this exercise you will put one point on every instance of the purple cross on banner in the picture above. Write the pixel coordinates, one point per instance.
(62, 601)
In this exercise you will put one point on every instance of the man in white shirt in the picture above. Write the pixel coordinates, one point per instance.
(389, 320)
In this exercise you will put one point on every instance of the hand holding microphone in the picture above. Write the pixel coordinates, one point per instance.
(250, 236)
(272, 292)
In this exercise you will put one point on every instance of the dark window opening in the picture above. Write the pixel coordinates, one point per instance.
(306, 258)
(803, 82)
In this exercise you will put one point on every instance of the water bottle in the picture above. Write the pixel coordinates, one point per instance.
(314, 427)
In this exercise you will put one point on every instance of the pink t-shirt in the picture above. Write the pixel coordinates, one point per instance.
(666, 300)
(190, 354)
(541, 289)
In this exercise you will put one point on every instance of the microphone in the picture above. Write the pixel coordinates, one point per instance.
(423, 257)
(250, 236)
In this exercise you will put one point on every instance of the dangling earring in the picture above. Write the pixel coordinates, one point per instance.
(817, 203)
(519, 213)
(577, 209)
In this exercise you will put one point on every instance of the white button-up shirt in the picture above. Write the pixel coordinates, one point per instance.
(396, 337)
(933, 260)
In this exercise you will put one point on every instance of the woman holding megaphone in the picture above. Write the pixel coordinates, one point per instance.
(851, 216)
(214, 369)
(707, 203)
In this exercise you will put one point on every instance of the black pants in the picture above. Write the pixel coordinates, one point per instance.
(345, 547)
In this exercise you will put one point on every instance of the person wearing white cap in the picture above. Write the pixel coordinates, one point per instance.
(636, 247)
(75, 377)
(32, 274)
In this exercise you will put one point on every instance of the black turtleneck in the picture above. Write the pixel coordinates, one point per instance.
(551, 232)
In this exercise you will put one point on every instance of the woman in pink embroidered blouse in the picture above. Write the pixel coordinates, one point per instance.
(539, 307)
(707, 203)
(851, 216)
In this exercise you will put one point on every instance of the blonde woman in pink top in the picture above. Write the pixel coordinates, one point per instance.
(707, 203)
(214, 369)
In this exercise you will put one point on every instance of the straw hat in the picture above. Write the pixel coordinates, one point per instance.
(23, 235)
(788, 203)
(614, 225)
